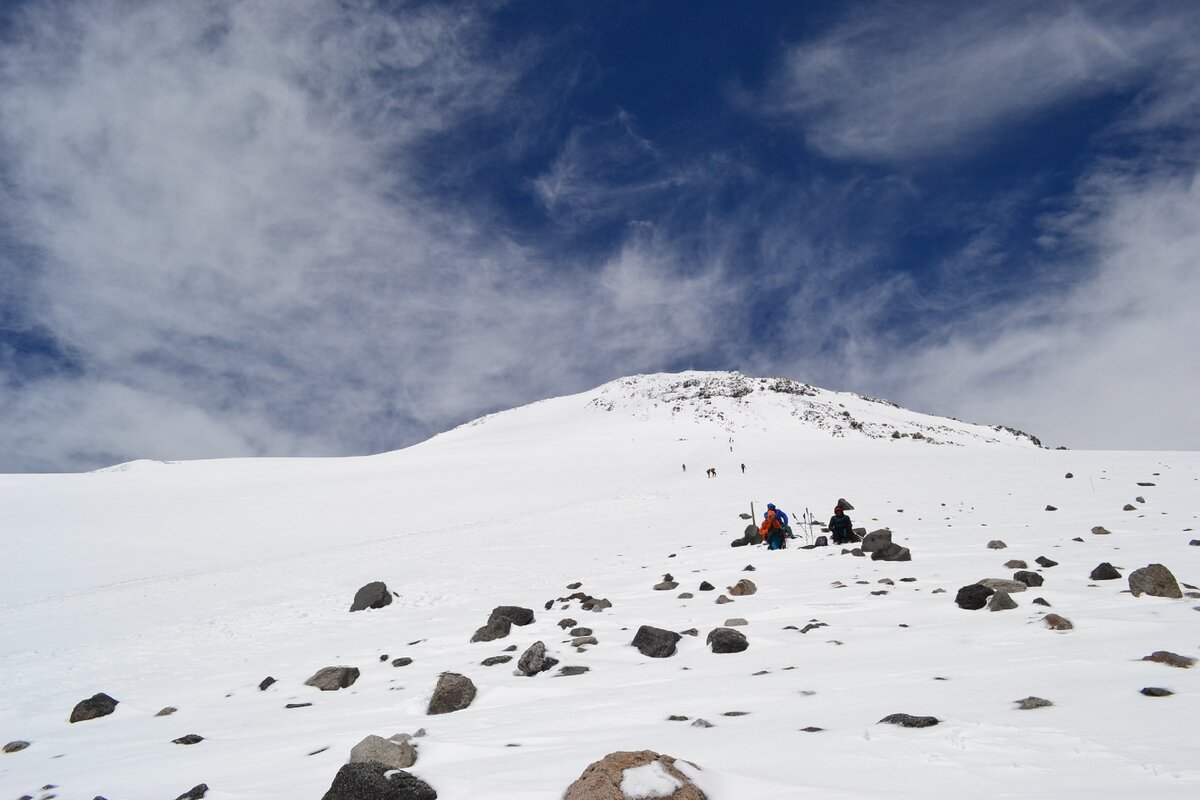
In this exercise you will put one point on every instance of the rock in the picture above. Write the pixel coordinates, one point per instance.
(1170, 659)
(580, 641)
(1157, 691)
(494, 660)
(535, 660)
(666, 586)
(1015, 563)
(374, 781)
(1194, 543)
(909, 721)
(677, 718)
(722, 600)
(630, 774)
(514, 614)
(1045, 562)
(705, 586)
(1069, 475)
(496, 628)
(166, 711)
(1001, 601)
(726, 640)
(844, 504)
(1139, 499)
(1100, 530)
(1105, 572)
(891, 552)
(856, 552)
(655, 642)
(1128, 507)
(98, 705)
(373, 595)
(16, 746)
(394, 753)
(574, 585)
(1051, 508)
(812, 729)
(1056, 623)
(690, 632)
(330, 679)
(581, 632)
(195, 793)
(191, 738)
(567, 672)
(567, 623)
(1154, 580)
(996, 544)
(1041, 601)
(453, 692)
(743, 587)
(748, 568)
(876, 539)
(266, 683)
(1028, 578)
(685, 595)
(734, 622)
(401, 662)
(1032, 702)
(973, 597)
(297, 705)
(1003, 585)
(701, 723)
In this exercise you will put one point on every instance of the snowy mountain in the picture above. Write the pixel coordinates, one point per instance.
(185, 585)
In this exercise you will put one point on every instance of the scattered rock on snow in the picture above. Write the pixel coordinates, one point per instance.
(701, 723)
(1003, 585)
(665, 586)
(374, 781)
(191, 738)
(453, 692)
(1041, 601)
(373, 595)
(726, 640)
(876, 539)
(705, 586)
(395, 753)
(1051, 508)
(401, 662)
(1015, 563)
(909, 721)
(567, 672)
(611, 777)
(722, 600)
(1170, 659)
(1045, 562)
(514, 614)
(1056, 623)
(891, 552)
(266, 683)
(1032, 702)
(98, 705)
(535, 660)
(655, 642)
(734, 622)
(330, 679)
(495, 628)
(494, 660)
(195, 793)
(1129, 507)
(1028, 578)
(166, 711)
(567, 623)
(581, 631)
(1105, 571)
(1157, 691)
(743, 587)
(1100, 530)
(1154, 580)
(1001, 601)
(16, 746)
(996, 544)
(844, 504)
(973, 597)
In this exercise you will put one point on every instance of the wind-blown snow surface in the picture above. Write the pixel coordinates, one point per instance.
(186, 584)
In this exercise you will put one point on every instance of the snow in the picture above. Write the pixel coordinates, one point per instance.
(185, 584)
(648, 780)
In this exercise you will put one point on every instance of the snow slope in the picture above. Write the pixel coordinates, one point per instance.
(185, 584)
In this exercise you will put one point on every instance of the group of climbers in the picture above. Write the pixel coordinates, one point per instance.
(775, 529)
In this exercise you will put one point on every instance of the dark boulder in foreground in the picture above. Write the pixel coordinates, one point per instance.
(453, 692)
(973, 597)
(602, 779)
(727, 640)
(374, 781)
(1105, 571)
(909, 721)
(1154, 580)
(1028, 578)
(891, 552)
(373, 595)
(655, 642)
(98, 705)
(514, 614)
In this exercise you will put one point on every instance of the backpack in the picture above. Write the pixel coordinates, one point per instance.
(821, 542)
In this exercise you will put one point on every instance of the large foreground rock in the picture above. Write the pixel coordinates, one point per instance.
(374, 781)
(330, 679)
(602, 780)
(876, 539)
(98, 705)
(1155, 580)
(727, 640)
(453, 692)
(373, 595)
(655, 642)
(973, 597)
(394, 753)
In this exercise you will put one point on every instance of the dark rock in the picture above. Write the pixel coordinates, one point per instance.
(1003, 585)
(330, 679)
(401, 662)
(383, 657)
(453, 692)
(748, 568)
(1001, 601)
(690, 632)
(567, 672)
(727, 640)
(743, 587)
(373, 595)
(374, 781)
(512, 648)
(1157, 691)
(266, 683)
(1045, 562)
(514, 614)
(1028, 578)
(685, 595)
(574, 585)
(494, 660)
(1041, 601)
(1105, 572)
(16, 747)
(98, 705)
(581, 632)
(166, 711)
(1145, 483)
(1170, 659)
(1032, 702)
(191, 738)
(1139, 499)
(596, 604)
(812, 729)
(735, 713)
(996, 544)
(297, 705)
(1154, 580)
(496, 628)
(1069, 475)
(677, 718)
(580, 641)
(665, 586)
(705, 586)
(567, 623)
(876, 540)
(909, 721)
(1051, 508)
(535, 660)
(1056, 623)
(655, 642)
(973, 597)
(1128, 507)
(856, 552)
(891, 552)
(1015, 563)
(602, 779)
(844, 505)
(195, 793)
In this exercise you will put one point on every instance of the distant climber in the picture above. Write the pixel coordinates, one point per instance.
(840, 527)
(743, 469)
(685, 467)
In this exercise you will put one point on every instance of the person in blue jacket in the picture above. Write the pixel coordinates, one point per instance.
(784, 530)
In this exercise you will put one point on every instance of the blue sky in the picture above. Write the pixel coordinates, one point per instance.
(312, 228)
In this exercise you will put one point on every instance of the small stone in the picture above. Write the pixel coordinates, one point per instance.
(453, 692)
(575, 585)
(734, 622)
(743, 587)
(1045, 562)
(494, 660)
(665, 586)
(404, 661)
(580, 641)
(655, 642)
(1100, 530)
(16, 746)
(1040, 601)
(1129, 507)
(1028, 578)
(812, 729)
(722, 600)
(1056, 623)
(567, 672)
(1032, 702)
(266, 683)
(690, 632)
(373, 595)
(1051, 508)
(996, 544)
(191, 738)
(677, 718)
(1016, 563)
(1157, 691)
(195, 793)
(727, 640)
(705, 586)
(535, 660)
(973, 597)
(1069, 475)
(909, 721)
(166, 711)
(567, 623)
(748, 568)
(702, 723)
(98, 705)
(1105, 572)
(581, 631)
(735, 713)
(1139, 499)
(330, 679)
(1170, 659)
(297, 705)
(1001, 601)
(359, 781)
(685, 595)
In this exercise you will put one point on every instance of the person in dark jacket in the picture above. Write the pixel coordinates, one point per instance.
(840, 527)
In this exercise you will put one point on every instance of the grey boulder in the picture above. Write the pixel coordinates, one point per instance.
(535, 660)
(395, 753)
(655, 642)
(98, 705)
(453, 692)
(1154, 580)
(726, 640)
(373, 595)
(330, 679)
